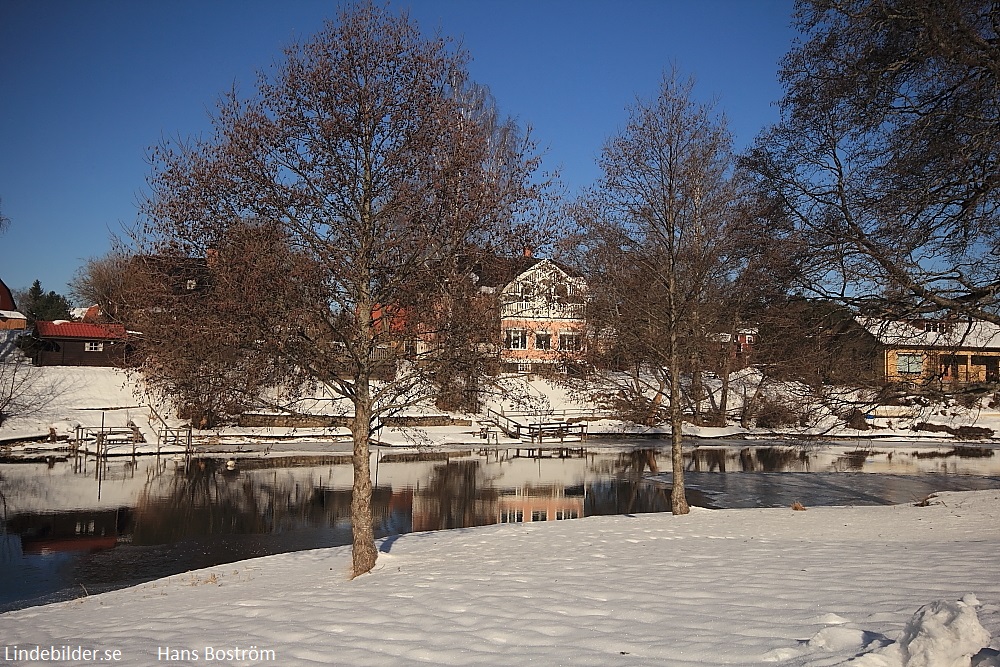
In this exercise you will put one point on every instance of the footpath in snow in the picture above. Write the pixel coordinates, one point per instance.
(898, 586)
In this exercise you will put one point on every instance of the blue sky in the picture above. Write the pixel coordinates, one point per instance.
(86, 87)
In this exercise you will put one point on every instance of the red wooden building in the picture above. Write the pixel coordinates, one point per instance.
(63, 343)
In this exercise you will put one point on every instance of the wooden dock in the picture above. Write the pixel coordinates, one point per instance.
(539, 431)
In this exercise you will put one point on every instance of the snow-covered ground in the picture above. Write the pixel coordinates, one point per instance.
(67, 396)
(898, 586)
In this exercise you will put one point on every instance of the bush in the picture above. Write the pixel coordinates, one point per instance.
(773, 414)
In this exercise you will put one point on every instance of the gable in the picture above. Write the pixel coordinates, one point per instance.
(545, 276)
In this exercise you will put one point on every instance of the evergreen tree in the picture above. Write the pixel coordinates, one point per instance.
(37, 304)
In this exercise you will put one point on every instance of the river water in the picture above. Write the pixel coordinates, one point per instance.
(73, 528)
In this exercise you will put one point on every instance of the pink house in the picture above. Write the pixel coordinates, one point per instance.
(542, 317)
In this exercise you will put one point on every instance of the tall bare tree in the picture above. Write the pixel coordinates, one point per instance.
(335, 211)
(657, 227)
(885, 158)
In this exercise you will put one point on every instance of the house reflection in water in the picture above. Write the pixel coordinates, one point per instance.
(513, 488)
(542, 503)
(83, 531)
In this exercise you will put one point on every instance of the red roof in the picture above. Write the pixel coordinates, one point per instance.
(63, 329)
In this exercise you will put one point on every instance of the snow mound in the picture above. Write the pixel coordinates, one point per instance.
(838, 639)
(941, 634)
(830, 619)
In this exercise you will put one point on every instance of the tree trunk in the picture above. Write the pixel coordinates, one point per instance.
(723, 416)
(363, 549)
(724, 371)
(696, 390)
(678, 499)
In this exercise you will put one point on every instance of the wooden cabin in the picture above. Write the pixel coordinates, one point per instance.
(63, 343)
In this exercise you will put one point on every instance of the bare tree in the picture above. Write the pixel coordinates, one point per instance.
(657, 225)
(333, 212)
(885, 157)
(109, 282)
(24, 390)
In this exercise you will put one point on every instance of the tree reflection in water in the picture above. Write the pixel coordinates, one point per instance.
(207, 499)
(459, 494)
(628, 492)
(751, 459)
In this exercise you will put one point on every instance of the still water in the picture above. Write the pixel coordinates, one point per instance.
(72, 528)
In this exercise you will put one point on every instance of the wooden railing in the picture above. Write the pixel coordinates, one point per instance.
(542, 310)
(108, 437)
(537, 431)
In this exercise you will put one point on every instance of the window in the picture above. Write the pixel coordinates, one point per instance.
(543, 341)
(909, 363)
(517, 339)
(954, 365)
(511, 516)
(93, 346)
(539, 515)
(566, 514)
(570, 341)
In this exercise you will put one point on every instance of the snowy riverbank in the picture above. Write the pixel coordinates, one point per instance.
(95, 398)
(738, 587)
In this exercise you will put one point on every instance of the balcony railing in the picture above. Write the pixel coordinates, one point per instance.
(535, 310)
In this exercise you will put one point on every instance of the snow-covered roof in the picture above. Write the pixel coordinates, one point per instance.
(956, 334)
(87, 314)
(11, 315)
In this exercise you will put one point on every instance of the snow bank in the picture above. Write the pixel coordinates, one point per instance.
(944, 633)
